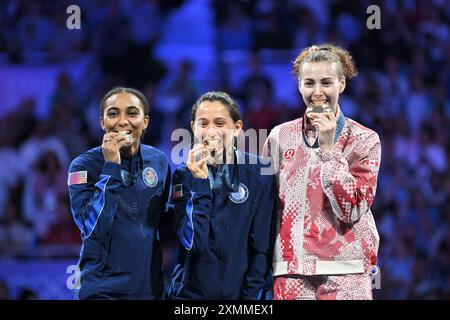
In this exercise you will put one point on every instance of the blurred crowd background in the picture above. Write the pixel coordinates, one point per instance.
(52, 80)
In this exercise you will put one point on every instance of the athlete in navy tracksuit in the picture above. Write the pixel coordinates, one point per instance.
(118, 208)
(223, 218)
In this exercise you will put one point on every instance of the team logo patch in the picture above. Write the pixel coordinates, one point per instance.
(150, 177)
(288, 154)
(372, 164)
(78, 177)
(241, 195)
(177, 191)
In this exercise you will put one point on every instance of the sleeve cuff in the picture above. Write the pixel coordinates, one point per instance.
(112, 169)
(200, 185)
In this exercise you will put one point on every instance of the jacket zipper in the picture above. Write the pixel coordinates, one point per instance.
(303, 210)
(221, 269)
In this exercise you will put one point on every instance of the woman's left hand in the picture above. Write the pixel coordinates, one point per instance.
(326, 125)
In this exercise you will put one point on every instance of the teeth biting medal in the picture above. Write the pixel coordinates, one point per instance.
(211, 146)
(318, 106)
(127, 135)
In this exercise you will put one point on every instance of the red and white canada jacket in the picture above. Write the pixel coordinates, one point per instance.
(324, 221)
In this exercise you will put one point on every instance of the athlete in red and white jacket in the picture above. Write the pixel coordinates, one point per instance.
(327, 168)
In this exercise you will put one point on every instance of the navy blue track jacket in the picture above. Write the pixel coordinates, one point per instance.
(226, 238)
(118, 208)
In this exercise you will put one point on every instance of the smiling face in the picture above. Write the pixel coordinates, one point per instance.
(124, 113)
(213, 124)
(319, 84)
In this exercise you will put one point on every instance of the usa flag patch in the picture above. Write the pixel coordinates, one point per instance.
(78, 177)
(177, 191)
